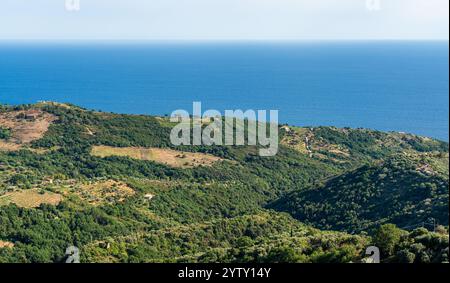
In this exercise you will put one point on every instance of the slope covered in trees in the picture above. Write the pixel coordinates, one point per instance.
(400, 190)
(121, 209)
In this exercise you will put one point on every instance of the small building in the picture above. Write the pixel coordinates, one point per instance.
(32, 114)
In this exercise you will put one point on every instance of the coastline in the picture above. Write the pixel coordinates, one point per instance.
(281, 124)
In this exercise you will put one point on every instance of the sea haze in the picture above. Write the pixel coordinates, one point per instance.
(390, 86)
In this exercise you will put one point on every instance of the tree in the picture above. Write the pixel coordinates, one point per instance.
(405, 256)
(387, 237)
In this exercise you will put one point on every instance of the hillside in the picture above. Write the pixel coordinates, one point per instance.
(352, 147)
(400, 190)
(114, 186)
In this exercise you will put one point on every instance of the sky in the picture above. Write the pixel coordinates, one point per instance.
(224, 20)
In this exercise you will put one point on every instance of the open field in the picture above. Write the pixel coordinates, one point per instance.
(100, 192)
(9, 146)
(169, 157)
(296, 138)
(6, 244)
(25, 126)
(30, 198)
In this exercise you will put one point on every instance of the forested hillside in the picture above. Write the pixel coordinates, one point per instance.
(114, 186)
(399, 190)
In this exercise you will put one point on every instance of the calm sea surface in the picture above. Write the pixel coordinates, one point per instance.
(398, 86)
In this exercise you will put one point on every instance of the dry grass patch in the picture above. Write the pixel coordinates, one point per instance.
(169, 157)
(132, 152)
(30, 198)
(182, 159)
(101, 192)
(9, 146)
(4, 244)
(297, 138)
(25, 126)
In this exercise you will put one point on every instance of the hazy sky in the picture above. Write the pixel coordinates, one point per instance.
(225, 19)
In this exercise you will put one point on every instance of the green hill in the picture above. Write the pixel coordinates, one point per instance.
(114, 186)
(402, 190)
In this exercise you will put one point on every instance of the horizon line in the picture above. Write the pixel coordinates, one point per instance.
(112, 40)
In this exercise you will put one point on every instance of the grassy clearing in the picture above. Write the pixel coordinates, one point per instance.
(30, 198)
(9, 146)
(132, 152)
(101, 192)
(168, 157)
(25, 126)
(4, 244)
(295, 138)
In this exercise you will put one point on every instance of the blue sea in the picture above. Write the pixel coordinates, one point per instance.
(390, 86)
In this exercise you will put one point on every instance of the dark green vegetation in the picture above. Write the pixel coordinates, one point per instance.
(418, 246)
(4, 133)
(398, 190)
(234, 211)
